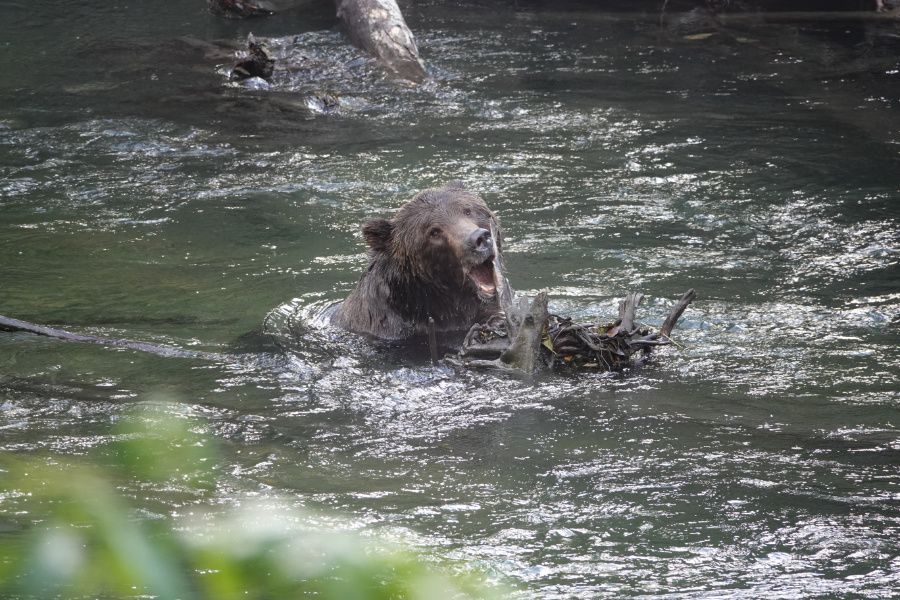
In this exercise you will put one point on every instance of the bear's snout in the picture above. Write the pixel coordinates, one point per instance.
(480, 241)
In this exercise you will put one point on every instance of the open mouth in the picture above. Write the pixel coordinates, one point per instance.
(483, 277)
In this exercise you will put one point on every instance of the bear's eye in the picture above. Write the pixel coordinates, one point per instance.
(468, 212)
(435, 232)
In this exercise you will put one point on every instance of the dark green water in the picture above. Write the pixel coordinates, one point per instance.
(141, 197)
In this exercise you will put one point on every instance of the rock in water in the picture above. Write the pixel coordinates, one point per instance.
(378, 27)
(240, 9)
(258, 62)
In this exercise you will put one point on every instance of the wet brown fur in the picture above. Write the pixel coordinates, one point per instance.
(417, 268)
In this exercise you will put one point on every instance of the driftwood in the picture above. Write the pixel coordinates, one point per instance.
(524, 339)
(525, 353)
(527, 339)
(786, 17)
(240, 9)
(505, 292)
(676, 312)
(726, 18)
(378, 27)
(257, 62)
(514, 338)
(9, 324)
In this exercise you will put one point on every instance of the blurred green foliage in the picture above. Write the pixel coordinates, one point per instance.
(78, 537)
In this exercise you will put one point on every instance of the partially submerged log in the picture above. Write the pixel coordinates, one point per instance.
(669, 324)
(799, 17)
(257, 62)
(524, 338)
(749, 17)
(514, 338)
(240, 9)
(10, 324)
(527, 339)
(378, 27)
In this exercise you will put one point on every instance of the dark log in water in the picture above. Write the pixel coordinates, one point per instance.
(676, 312)
(797, 17)
(525, 353)
(505, 293)
(516, 338)
(378, 27)
(9, 324)
(529, 339)
(240, 9)
(258, 62)
(627, 313)
(726, 18)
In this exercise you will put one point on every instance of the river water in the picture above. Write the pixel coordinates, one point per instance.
(143, 197)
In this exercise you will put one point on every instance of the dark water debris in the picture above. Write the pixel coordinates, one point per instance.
(256, 62)
(240, 9)
(15, 325)
(528, 339)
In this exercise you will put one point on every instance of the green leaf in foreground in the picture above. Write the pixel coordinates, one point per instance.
(78, 538)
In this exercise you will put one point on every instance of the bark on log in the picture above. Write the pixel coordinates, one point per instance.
(378, 27)
(258, 62)
(732, 18)
(505, 294)
(529, 339)
(676, 312)
(521, 349)
(789, 17)
(525, 352)
(240, 9)
(10, 324)
(628, 310)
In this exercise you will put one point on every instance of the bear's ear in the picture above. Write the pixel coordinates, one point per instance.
(378, 233)
(455, 185)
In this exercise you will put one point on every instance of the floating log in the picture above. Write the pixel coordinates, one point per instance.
(726, 18)
(258, 62)
(628, 310)
(240, 9)
(10, 324)
(505, 293)
(378, 27)
(528, 340)
(515, 336)
(797, 17)
(525, 352)
(676, 312)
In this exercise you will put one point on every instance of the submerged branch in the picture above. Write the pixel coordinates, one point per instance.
(526, 344)
(10, 324)
(730, 18)
(676, 312)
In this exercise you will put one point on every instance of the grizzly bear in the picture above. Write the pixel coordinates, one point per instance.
(435, 258)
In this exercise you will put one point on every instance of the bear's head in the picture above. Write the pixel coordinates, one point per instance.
(442, 240)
